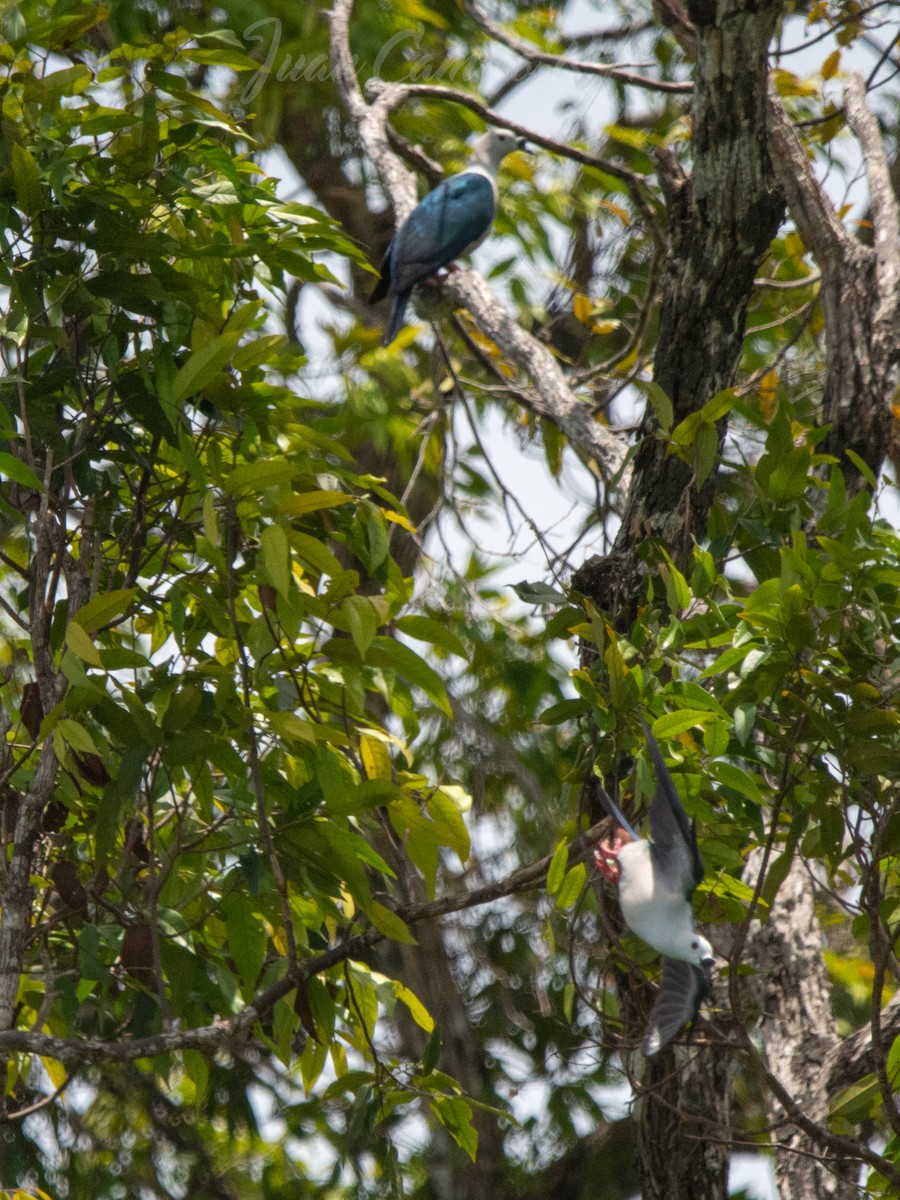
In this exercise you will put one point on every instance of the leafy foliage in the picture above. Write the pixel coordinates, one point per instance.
(200, 603)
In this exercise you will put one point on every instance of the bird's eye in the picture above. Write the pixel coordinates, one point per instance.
(695, 945)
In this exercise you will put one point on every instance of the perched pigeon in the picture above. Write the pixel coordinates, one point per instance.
(451, 220)
(656, 881)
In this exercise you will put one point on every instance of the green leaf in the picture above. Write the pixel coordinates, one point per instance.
(70, 81)
(210, 519)
(432, 1052)
(307, 502)
(789, 479)
(539, 594)
(741, 781)
(376, 537)
(276, 557)
(362, 620)
(660, 403)
(246, 942)
(776, 875)
(389, 923)
(728, 659)
(671, 724)
(426, 629)
(196, 1067)
(705, 452)
(456, 1116)
(13, 468)
(224, 57)
(103, 608)
(79, 642)
(312, 1062)
(726, 885)
(557, 869)
(76, 736)
(678, 593)
(564, 710)
(715, 738)
(685, 431)
(744, 722)
(862, 466)
(204, 365)
(26, 180)
(572, 887)
(259, 476)
(388, 652)
(418, 1011)
(721, 403)
(857, 1102)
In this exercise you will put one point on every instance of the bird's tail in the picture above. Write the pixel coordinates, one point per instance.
(397, 317)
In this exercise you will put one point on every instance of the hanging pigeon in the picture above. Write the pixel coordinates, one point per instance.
(656, 881)
(451, 220)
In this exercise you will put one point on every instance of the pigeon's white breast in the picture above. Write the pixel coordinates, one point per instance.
(662, 918)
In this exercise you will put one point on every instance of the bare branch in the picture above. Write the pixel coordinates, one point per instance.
(862, 338)
(812, 211)
(882, 201)
(392, 95)
(620, 71)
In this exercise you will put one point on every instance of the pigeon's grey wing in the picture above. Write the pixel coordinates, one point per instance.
(613, 809)
(682, 987)
(675, 850)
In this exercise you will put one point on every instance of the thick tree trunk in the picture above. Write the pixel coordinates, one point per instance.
(680, 1153)
(722, 220)
(799, 1034)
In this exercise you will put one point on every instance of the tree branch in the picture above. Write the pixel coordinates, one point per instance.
(862, 337)
(561, 404)
(620, 71)
(883, 205)
(222, 1034)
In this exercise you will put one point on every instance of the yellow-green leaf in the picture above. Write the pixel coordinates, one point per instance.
(55, 1070)
(768, 394)
(376, 758)
(307, 502)
(831, 64)
(450, 827)
(419, 1012)
(79, 642)
(582, 308)
(203, 365)
(389, 923)
(671, 724)
(103, 608)
(400, 519)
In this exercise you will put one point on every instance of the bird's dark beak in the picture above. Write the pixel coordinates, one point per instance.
(708, 964)
(522, 145)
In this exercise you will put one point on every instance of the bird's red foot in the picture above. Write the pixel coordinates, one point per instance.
(606, 859)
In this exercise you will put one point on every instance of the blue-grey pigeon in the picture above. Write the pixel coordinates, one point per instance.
(453, 219)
